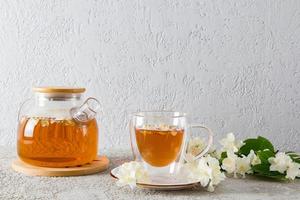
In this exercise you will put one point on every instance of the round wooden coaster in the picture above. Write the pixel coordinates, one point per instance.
(98, 165)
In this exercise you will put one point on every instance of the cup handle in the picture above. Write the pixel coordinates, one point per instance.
(210, 140)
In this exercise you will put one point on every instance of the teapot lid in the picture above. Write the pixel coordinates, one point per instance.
(65, 90)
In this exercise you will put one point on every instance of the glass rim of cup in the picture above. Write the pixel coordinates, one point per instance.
(170, 114)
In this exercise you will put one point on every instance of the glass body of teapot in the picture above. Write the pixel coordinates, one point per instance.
(56, 129)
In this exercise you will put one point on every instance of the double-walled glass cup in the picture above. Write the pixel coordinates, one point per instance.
(159, 140)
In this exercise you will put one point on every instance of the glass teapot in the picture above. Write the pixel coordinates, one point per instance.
(57, 129)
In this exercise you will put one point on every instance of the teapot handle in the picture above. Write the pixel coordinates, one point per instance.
(22, 105)
(87, 111)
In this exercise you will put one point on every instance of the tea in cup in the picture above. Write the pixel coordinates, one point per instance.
(159, 146)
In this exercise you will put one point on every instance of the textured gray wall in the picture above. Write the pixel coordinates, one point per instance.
(233, 65)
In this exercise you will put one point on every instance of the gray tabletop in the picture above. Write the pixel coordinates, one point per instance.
(14, 185)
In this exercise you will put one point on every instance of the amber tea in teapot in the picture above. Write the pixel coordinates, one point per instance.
(57, 143)
(58, 131)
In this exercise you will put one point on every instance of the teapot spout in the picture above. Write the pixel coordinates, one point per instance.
(87, 111)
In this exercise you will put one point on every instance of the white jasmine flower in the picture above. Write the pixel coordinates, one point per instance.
(230, 144)
(216, 154)
(199, 171)
(206, 170)
(293, 171)
(236, 165)
(280, 163)
(229, 163)
(243, 166)
(217, 175)
(131, 172)
(196, 146)
(254, 159)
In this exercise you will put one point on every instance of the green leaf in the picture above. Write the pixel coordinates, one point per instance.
(263, 169)
(223, 156)
(265, 155)
(294, 156)
(255, 144)
(288, 152)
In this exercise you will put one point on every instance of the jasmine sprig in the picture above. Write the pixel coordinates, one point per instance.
(257, 156)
